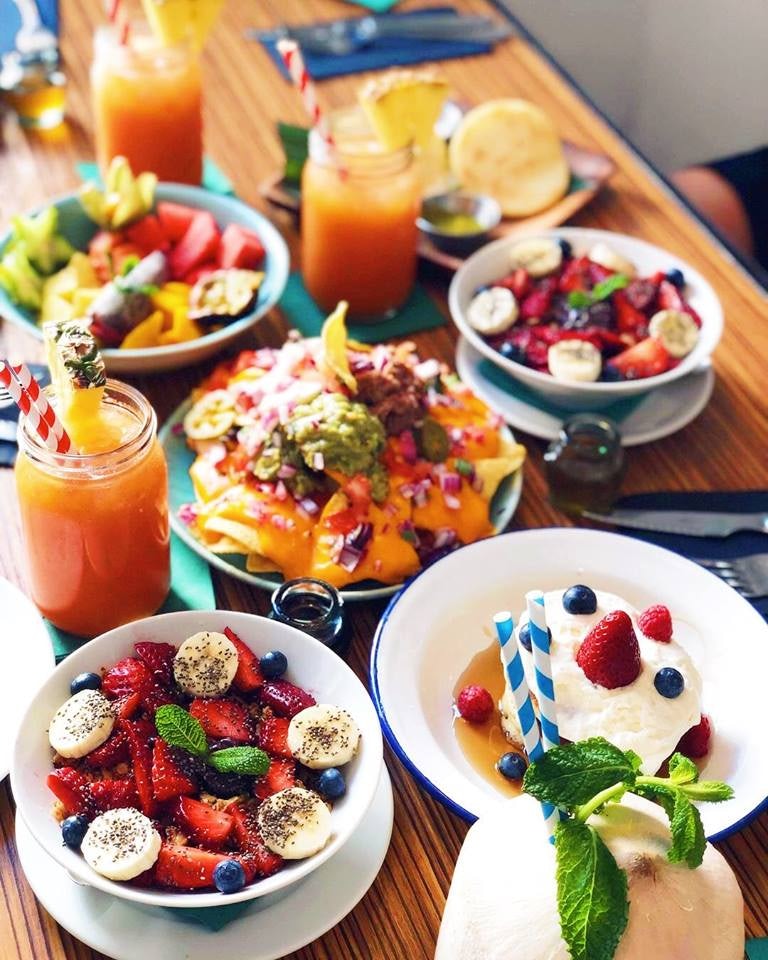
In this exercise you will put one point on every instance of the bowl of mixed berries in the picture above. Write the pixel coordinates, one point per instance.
(197, 758)
(586, 317)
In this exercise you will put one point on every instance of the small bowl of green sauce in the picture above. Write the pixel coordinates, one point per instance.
(458, 222)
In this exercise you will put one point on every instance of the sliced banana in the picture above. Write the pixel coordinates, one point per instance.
(205, 664)
(323, 736)
(211, 416)
(121, 844)
(294, 823)
(81, 724)
(676, 330)
(492, 311)
(576, 360)
(539, 256)
(607, 257)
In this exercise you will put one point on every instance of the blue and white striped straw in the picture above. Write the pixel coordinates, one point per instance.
(505, 631)
(543, 666)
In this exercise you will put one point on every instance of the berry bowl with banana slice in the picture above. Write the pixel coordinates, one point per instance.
(198, 758)
(586, 317)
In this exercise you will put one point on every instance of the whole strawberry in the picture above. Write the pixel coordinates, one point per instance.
(474, 703)
(609, 654)
(656, 623)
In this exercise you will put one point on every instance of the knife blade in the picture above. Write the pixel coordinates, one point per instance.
(691, 523)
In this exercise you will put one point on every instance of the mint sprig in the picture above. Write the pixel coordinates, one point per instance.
(601, 291)
(582, 778)
(181, 730)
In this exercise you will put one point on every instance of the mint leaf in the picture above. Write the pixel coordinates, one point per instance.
(682, 769)
(180, 729)
(688, 840)
(711, 790)
(574, 773)
(661, 793)
(634, 759)
(579, 299)
(245, 760)
(604, 289)
(591, 893)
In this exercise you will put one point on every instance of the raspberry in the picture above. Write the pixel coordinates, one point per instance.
(609, 654)
(475, 704)
(656, 623)
(695, 743)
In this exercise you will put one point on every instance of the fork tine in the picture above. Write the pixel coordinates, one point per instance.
(725, 565)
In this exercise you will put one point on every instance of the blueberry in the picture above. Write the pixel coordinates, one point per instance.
(511, 351)
(579, 599)
(566, 248)
(525, 635)
(576, 319)
(331, 784)
(73, 829)
(273, 664)
(225, 785)
(669, 682)
(610, 374)
(512, 766)
(85, 681)
(228, 876)
(676, 278)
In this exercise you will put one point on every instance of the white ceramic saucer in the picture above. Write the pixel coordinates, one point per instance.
(271, 927)
(662, 412)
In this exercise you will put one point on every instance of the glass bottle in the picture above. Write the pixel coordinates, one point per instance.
(585, 464)
(315, 607)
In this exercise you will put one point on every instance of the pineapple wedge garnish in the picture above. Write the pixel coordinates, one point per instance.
(173, 21)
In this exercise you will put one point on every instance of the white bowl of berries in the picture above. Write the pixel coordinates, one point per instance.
(586, 317)
(195, 759)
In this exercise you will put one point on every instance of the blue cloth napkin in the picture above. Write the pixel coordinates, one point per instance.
(10, 21)
(386, 52)
(757, 949)
(741, 544)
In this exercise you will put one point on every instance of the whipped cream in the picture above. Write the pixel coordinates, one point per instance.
(635, 717)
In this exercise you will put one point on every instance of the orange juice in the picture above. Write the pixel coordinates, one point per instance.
(95, 523)
(358, 225)
(147, 104)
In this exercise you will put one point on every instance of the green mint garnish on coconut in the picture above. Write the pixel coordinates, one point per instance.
(181, 730)
(583, 779)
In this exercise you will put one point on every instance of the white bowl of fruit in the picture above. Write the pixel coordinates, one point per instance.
(586, 317)
(195, 759)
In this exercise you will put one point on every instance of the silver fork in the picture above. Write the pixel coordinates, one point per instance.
(747, 575)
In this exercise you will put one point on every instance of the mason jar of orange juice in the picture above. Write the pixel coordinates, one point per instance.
(359, 204)
(95, 523)
(147, 105)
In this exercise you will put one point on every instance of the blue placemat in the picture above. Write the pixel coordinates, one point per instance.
(10, 21)
(757, 949)
(418, 313)
(386, 52)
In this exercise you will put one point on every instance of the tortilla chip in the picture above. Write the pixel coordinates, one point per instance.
(492, 470)
(255, 563)
(242, 534)
(226, 545)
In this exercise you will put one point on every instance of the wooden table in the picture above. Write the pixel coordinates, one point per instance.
(723, 449)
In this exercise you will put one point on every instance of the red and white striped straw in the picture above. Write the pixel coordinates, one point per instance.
(26, 394)
(293, 59)
(118, 17)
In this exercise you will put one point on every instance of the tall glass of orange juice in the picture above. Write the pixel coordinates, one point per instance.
(147, 104)
(95, 523)
(359, 204)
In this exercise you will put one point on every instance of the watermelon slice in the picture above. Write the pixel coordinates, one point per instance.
(175, 219)
(240, 248)
(199, 243)
(148, 235)
(199, 273)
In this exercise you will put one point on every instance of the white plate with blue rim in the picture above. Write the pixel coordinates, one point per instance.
(433, 628)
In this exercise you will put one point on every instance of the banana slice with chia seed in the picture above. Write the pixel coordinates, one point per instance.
(81, 724)
(539, 256)
(578, 361)
(676, 330)
(294, 823)
(607, 257)
(211, 417)
(323, 736)
(492, 311)
(205, 664)
(120, 844)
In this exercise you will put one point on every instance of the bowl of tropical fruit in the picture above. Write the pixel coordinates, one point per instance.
(163, 275)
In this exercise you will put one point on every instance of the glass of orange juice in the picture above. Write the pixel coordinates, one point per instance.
(95, 523)
(147, 104)
(359, 204)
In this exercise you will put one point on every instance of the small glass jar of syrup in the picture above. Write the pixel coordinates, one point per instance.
(315, 607)
(585, 464)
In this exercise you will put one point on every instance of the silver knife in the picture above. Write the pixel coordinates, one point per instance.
(692, 523)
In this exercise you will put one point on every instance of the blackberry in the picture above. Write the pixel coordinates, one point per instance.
(225, 785)
(193, 767)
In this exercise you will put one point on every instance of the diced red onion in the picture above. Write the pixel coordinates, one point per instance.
(177, 429)
(445, 537)
(450, 483)
(349, 558)
(318, 461)
(453, 503)
(281, 491)
(309, 505)
(270, 420)
(279, 521)
(427, 369)
(286, 471)
(420, 497)
(187, 513)
(378, 565)
(407, 490)
(360, 536)
(456, 434)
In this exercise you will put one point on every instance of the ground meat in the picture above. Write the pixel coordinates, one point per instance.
(395, 395)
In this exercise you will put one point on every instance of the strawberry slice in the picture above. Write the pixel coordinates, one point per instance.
(646, 359)
(141, 759)
(157, 696)
(223, 718)
(168, 779)
(575, 276)
(670, 298)
(519, 282)
(185, 868)
(112, 751)
(248, 676)
(256, 859)
(128, 675)
(204, 824)
(537, 304)
(285, 698)
(113, 794)
(159, 658)
(280, 776)
(71, 788)
(629, 319)
(273, 735)
(127, 706)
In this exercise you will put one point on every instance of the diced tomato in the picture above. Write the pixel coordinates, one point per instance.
(248, 676)
(175, 219)
(202, 822)
(199, 244)
(168, 778)
(240, 248)
(185, 868)
(273, 735)
(148, 235)
(646, 359)
(342, 522)
(358, 489)
(223, 718)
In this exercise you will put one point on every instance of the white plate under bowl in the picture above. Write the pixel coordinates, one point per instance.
(434, 627)
(310, 664)
(660, 413)
(493, 262)
(270, 928)
(19, 678)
